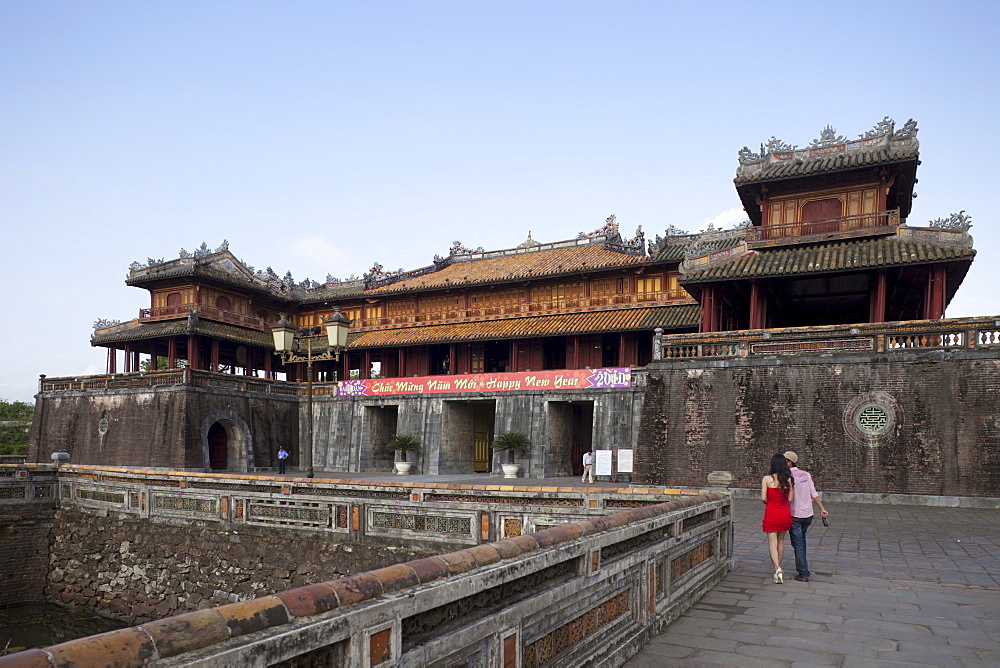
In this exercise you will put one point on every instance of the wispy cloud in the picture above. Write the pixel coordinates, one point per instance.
(314, 257)
(727, 218)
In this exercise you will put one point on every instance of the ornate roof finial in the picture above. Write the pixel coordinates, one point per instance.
(828, 137)
(529, 242)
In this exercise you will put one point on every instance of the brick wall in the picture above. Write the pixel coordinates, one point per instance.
(701, 416)
(24, 551)
(162, 428)
(136, 570)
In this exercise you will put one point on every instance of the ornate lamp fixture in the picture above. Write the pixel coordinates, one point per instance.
(288, 344)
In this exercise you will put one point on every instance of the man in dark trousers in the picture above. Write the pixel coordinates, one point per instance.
(802, 514)
(282, 456)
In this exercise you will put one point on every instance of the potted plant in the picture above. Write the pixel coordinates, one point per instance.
(400, 444)
(510, 442)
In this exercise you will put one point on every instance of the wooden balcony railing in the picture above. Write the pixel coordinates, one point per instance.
(202, 311)
(569, 305)
(844, 227)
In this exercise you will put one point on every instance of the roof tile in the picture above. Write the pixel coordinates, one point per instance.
(632, 319)
(520, 266)
(827, 257)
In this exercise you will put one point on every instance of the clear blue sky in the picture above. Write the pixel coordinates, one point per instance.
(320, 137)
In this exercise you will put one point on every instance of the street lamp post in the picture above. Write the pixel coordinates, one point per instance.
(288, 344)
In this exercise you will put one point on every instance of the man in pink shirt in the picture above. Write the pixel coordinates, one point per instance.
(802, 514)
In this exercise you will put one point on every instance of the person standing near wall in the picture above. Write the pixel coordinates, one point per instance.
(777, 490)
(802, 514)
(588, 467)
(282, 456)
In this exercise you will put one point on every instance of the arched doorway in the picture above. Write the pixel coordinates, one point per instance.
(226, 442)
(218, 448)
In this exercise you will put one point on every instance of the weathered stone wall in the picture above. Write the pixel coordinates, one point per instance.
(163, 427)
(704, 415)
(350, 436)
(591, 592)
(137, 570)
(24, 550)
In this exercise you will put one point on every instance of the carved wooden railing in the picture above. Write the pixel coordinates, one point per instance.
(569, 305)
(202, 311)
(842, 227)
(952, 334)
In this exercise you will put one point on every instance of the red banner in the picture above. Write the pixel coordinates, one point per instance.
(568, 379)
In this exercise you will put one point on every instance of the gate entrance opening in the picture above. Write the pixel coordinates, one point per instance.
(381, 423)
(218, 447)
(571, 433)
(467, 432)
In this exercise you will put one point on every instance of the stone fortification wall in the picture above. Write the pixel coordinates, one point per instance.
(351, 431)
(162, 423)
(137, 570)
(910, 422)
(144, 544)
(27, 508)
(590, 592)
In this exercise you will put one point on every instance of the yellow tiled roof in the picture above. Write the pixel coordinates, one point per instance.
(530, 264)
(632, 319)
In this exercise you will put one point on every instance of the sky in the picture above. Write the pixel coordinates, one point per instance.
(322, 137)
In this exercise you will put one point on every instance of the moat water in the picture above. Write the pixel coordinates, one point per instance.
(43, 624)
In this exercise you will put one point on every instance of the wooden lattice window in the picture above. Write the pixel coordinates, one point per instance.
(399, 307)
(649, 284)
(497, 298)
(605, 287)
(822, 209)
(223, 303)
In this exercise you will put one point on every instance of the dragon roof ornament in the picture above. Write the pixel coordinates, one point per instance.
(883, 135)
(458, 249)
(960, 222)
(221, 259)
(609, 231)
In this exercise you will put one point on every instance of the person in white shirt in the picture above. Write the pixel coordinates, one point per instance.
(802, 514)
(588, 467)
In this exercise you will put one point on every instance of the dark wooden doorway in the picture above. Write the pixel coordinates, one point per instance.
(218, 448)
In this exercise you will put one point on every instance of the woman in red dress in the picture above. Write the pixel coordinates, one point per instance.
(776, 491)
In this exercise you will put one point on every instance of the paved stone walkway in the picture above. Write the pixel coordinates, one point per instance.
(891, 586)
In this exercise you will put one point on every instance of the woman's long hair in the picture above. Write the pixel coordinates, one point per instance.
(779, 467)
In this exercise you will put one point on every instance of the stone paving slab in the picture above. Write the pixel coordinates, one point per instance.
(891, 586)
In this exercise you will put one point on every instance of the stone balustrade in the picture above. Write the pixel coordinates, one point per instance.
(587, 591)
(890, 337)
(425, 514)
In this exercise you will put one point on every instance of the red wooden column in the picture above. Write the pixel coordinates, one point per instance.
(628, 349)
(708, 310)
(172, 353)
(214, 363)
(877, 299)
(935, 295)
(452, 359)
(401, 371)
(135, 361)
(765, 208)
(267, 365)
(513, 356)
(127, 368)
(112, 360)
(757, 317)
(192, 352)
(366, 364)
